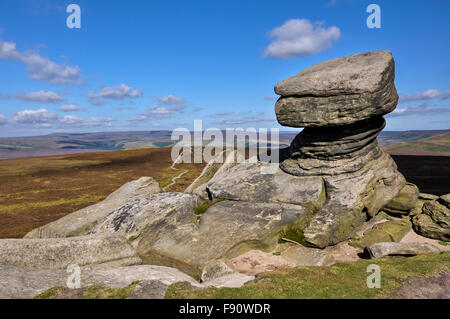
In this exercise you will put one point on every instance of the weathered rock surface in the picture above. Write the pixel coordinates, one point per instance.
(19, 282)
(339, 91)
(255, 261)
(434, 222)
(228, 228)
(50, 253)
(392, 230)
(245, 182)
(379, 250)
(302, 256)
(148, 218)
(404, 202)
(82, 221)
(351, 199)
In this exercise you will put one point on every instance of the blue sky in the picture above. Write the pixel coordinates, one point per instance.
(152, 65)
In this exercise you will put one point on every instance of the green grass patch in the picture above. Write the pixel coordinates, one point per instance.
(51, 293)
(101, 292)
(344, 280)
(443, 243)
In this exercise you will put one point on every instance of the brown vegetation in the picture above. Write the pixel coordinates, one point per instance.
(36, 191)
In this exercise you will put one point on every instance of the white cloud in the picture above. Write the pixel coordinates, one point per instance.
(70, 119)
(417, 109)
(223, 113)
(299, 37)
(171, 100)
(40, 68)
(40, 96)
(3, 120)
(71, 108)
(115, 93)
(41, 116)
(270, 98)
(427, 95)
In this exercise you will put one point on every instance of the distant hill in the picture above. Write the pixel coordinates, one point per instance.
(70, 143)
(434, 145)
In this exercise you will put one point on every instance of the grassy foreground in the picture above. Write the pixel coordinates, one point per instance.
(345, 280)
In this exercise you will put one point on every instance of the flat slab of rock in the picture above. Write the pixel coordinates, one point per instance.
(81, 222)
(226, 229)
(303, 256)
(339, 91)
(53, 253)
(147, 217)
(19, 282)
(380, 250)
(245, 182)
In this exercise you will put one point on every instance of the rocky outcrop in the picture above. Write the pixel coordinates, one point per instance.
(338, 92)
(379, 250)
(434, 221)
(57, 253)
(404, 202)
(82, 221)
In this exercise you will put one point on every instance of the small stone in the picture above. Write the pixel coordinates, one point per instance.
(380, 250)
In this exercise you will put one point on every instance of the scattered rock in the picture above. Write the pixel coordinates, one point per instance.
(303, 256)
(81, 222)
(379, 250)
(434, 222)
(404, 202)
(50, 253)
(389, 231)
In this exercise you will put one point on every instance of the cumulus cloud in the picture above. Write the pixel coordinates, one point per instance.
(39, 116)
(71, 108)
(70, 119)
(40, 68)
(423, 109)
(118, 92)
(427, 95)
(158, 112)
(3, 120)
(299, 37)
(44, 118)
(40, 96)
(171, 100)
